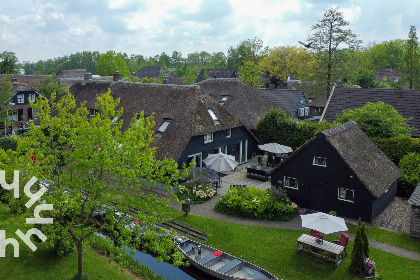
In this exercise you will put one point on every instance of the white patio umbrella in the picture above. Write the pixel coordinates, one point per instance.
(324, 223)
(220, 162)
(275, 148)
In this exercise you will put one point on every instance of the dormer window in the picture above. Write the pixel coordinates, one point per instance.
(32, 97)
(20, 98)
(320, 161)
(161, 129)
(208, 138)
(213, 116)
(223, 99)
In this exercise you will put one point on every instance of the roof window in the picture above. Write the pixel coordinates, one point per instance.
(162, 128)
(223, 99)
(213, 116)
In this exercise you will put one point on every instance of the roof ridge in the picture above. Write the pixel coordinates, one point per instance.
(339, 129)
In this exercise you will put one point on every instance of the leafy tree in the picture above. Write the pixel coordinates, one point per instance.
(411, 58)
(365, 240)
(8, 63)
(217, 61)
(395, 148)
(328, 35)
(164, 60)
(5, 95)
(176, 60)
(7, 142)
(51, 84)
(388, 53)
(366, 79)
(274, 126)
(110, 62)
(357, 255)
(377, 120)
(250, 73)
(94, 167)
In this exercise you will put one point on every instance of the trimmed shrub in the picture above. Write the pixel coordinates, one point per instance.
(410, 167)
(7, 143)
(251, 202)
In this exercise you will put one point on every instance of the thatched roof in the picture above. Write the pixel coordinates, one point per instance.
(216, 74)
(406, 102)
(152, 72)
(244, 101)
(73, 73)
(371, 166)
(186, 106)
(367, 161)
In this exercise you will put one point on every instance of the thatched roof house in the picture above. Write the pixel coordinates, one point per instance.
(184, 108)
(340, 169)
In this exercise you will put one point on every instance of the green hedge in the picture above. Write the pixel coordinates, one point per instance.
(7, 142)
(251, 202)
(410, 167)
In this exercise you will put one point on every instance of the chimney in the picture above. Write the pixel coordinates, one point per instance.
(87, 76)
(116, 76)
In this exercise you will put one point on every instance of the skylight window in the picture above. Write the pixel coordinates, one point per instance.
(213, 116)
(223, 99)
(163, 126)
(114, 119)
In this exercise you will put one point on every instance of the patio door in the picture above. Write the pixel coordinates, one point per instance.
(241, 153)
(197, 159)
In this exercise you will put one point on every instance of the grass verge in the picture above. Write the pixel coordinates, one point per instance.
(275, 250)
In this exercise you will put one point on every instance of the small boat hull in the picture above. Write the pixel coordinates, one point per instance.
(219, 264)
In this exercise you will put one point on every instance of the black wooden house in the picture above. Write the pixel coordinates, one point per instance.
(340, 170)
(189, 125)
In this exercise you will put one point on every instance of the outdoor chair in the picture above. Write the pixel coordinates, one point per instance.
(344, 239)
(317, 234)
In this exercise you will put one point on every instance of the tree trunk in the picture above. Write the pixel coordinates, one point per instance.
(80, 273)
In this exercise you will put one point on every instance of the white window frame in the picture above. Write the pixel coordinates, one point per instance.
(340, 197)
(306, 111)
(213, 116)
(229, 133)
(315, 162)
(20, 98)
(197, 164)
(301, 112)
(287, 179)
(208, 138)
(31, 97)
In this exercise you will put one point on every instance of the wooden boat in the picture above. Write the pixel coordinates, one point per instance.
(219, 264)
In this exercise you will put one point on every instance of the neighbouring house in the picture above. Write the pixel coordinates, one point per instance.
(189, 125)
(414, 201)
(340, 170)
(292, 101)
(157, 72)
(21, 110)
(406, 102)
(216, 74)
(240, 99)
(387, 74)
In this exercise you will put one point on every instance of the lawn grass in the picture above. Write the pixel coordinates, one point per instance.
(275, 250)
(45, 264)
(397, 239)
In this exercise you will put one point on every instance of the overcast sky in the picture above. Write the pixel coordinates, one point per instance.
(42, 29)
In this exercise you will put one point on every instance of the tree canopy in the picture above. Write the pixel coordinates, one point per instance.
(110, 62)
(377, 120)
(94, 167)
(8, 63)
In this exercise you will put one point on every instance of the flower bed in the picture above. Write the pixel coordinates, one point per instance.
(251, 202)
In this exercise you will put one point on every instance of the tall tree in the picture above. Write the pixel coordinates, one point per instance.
(96, 167)
(329, 34)
(8, 63)
(250, 53)
(411, 58)
(5, 95)
(110, 62)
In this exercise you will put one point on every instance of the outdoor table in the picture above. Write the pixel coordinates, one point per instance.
(308, 243)
(258, 172)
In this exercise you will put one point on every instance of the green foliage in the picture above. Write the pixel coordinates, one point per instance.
(275, 127)
(252, 202)
(365, 240)
(5, 95)
(395, 148)
(250, 73)
(51, 84)
(410, 167)
(7, 142)
(8, 63)
(357, 254)
(197, 193)
(110, 62)
(366, 78)
(377, 120)
(411, 59)
(111, 162)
